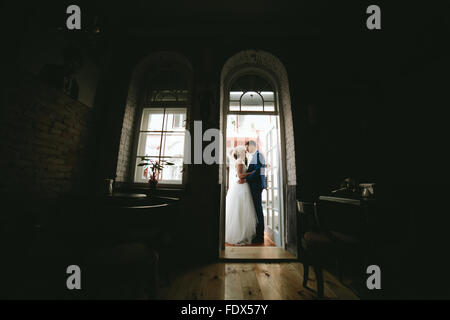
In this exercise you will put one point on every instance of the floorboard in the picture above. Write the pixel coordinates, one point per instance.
(249, 281)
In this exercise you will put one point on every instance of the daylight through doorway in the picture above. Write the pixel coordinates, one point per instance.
(264, 130)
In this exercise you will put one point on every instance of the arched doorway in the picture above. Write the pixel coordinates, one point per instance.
(255, 104)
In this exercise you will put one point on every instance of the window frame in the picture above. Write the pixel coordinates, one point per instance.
(138, 122)
(260, 93)
(236, 77)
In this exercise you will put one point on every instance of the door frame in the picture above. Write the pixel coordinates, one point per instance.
(226, 86)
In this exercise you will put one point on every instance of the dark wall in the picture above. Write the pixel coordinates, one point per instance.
(44, 154)
(45, 138)
(43, 38)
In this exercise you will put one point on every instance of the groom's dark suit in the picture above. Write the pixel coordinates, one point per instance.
(257, 182)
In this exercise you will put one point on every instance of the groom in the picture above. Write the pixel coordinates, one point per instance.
(257, 182)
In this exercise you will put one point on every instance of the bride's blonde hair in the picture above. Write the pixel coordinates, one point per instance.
(238, 152)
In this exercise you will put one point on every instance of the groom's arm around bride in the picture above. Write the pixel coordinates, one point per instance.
(257, 165)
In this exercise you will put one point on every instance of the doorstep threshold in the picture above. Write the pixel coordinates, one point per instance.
(235, 254)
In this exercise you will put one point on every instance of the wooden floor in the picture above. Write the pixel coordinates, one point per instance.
(249, 281)
(256, 253)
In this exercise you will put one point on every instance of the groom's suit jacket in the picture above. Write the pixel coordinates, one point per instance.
(257, 163)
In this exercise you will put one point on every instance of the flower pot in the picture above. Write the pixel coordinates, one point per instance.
(152, 187)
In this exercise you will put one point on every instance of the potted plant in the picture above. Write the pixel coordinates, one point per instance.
(154, 167)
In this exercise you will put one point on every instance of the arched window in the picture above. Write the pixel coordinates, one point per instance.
(251, 93)
(161, 136)
(155, 120)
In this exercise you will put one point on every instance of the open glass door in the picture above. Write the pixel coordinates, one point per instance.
(271, 198)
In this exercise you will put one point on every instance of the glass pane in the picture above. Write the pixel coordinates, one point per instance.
(269, 106)
(276, 220)
(235, 95)
(251, 101)
(273, 138)
(173, 144)
(251, 108)
(172, 174)
(268, 96)
(274, 161)
(153, 119)
(175, 119)
(275, 179)
(269, 218)
(149, 144)
(275, 199)
(234, 105)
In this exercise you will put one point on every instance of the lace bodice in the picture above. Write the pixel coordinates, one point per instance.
(244, 167)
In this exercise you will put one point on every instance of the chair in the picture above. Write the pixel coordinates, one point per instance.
(330, 231)
(347, 226)
(313, 243)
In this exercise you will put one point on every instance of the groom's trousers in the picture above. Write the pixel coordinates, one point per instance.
(257, 201)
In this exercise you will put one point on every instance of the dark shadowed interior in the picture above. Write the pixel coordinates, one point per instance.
(79, 108)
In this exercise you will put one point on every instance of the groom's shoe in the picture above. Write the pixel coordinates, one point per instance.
(258, 240)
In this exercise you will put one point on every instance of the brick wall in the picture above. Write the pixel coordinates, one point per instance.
(43, 134)
(123, 173)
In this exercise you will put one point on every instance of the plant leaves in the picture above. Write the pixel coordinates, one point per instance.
(143, 164)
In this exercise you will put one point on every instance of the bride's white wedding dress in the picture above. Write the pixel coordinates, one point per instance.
(240, 226)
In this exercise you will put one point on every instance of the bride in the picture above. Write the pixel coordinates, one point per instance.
(240, 226)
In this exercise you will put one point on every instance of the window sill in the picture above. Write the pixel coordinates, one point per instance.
(161, 189)
(159, 186)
